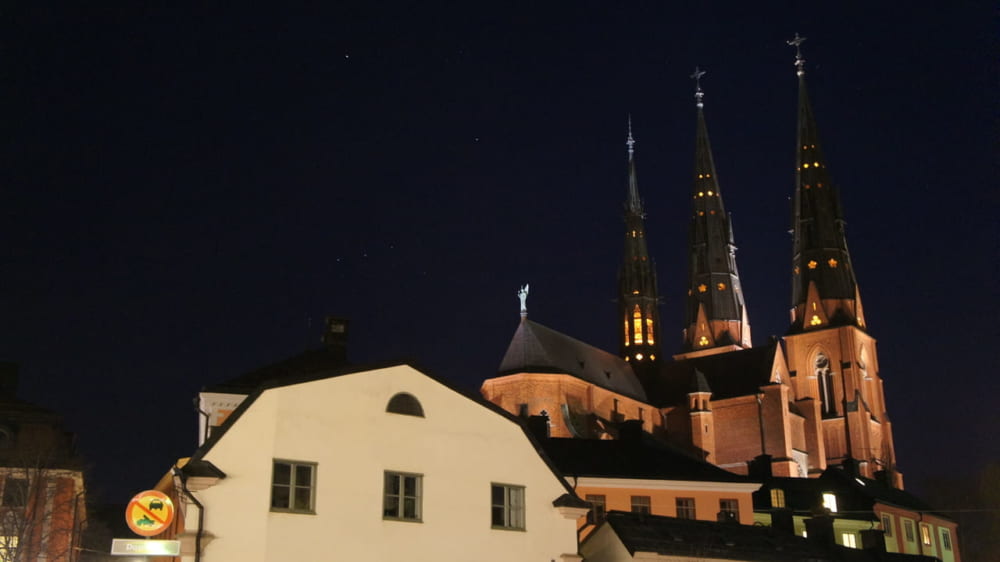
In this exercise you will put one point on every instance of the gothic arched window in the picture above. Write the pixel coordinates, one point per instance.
(824, 377)
(406, 404)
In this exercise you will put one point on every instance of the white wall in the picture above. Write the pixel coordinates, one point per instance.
(460, 447)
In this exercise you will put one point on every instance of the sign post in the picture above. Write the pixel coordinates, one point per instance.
(148, 514)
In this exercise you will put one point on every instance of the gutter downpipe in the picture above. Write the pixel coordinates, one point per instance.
(201, 512)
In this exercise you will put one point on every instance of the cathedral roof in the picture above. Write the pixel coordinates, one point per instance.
(538, 349)
(640, 457)
(736, 373)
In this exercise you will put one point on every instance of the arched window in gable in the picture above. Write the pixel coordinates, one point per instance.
(405, 404)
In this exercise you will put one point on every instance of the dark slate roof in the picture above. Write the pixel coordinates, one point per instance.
(631, 457)
(736, 373)
(710, 540)
(856, 496)
(306, 363)
(535, 348)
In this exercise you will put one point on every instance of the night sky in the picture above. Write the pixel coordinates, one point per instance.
(185, 196)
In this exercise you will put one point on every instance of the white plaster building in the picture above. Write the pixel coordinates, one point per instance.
(380, 464)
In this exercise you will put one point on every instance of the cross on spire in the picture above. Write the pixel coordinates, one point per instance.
(800, 63)
(698, 94)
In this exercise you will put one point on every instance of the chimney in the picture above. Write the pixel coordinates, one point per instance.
(873, 540)
(539, 426)
(8, 379)
(630, 430)
(760, 468)
(782, 521)
(819, 528)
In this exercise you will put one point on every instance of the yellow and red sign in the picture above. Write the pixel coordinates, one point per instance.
(149, 513)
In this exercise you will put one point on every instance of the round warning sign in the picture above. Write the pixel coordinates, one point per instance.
(149, 513)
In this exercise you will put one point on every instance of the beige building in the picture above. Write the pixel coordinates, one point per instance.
(380, 464)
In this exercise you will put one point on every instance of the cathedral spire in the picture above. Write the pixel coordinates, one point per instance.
(638, 299)
(824, 288)
(715, 312)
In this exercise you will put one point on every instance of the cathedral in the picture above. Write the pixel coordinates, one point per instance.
(807, 401)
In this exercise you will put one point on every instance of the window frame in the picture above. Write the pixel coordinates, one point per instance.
(512, 508)
(684, 509)
(642, 504)
(723, 502)
(401, 496)
(777, 498)
(293, 485)
(926, 535)
(887, 524)
(945, 539)
(598, 508)
(908, 533)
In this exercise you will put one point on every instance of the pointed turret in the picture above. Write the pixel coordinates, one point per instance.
(637, 293)
(824, 289)
(715, 312)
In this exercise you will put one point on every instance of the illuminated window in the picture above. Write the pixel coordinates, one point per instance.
(640, 504)
(508, 506)
(626, 333)
(635, 292)
(649, 331)
(806, 165)
(710, 193)
(708, 175)
(712, 212)
(703, 341)
(637, 325)
(849, 540)
(702, 288)
(701, 213)
(292, 486)
(815, 321)
(925, 535)
(721, 286)
(638, 357)
(731, 508)
(812, 264)
(652, 357)
(796, 270)
(685, 508)
(402, 496)
(832, 262)
(777, 497)
(701, 194)
(633, 234)
(830, 501)
(701, 176)
(815, 164)
(598, 509)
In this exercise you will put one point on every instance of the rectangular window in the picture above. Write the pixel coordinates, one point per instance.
(640, 504)
(946, 539)
(908, 530)
(830, 501)
(731, 507)
(777, 497)
(685, 508)
(292, 486)
(598, 508)
(887, 524)
(507, 506)
(925, 535)
(15, 492)
(849, 540)
(402, 496)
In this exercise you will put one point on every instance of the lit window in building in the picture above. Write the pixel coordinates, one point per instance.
(702, 288)
(701, 194)
(710, 193)
(638, 357)
(815, 321)
(626, 332)
(796, 270)
(806, 165)
(849, 540)
(721, 286)
(637, 325)
(832, 262)
(807, 186)
(652, 357)
(812, 264)
(830, 501)
(815, 164)
(649, 331)
(777, 497)
(708, 175)
(703, 341)
(925, 534)
(635, 292)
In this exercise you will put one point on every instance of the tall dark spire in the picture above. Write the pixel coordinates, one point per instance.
(715, 312)
(638, 300)
(824, 289)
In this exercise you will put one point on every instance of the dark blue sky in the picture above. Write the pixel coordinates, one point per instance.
(186, 195)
